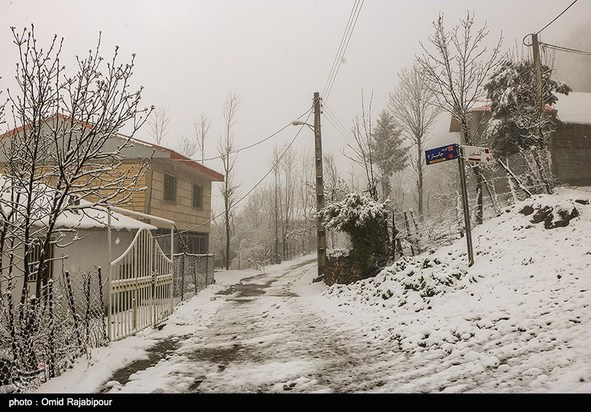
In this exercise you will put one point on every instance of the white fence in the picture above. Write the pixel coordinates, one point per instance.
(140, 285)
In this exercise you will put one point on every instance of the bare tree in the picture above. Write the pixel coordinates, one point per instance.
(60, 150)
(276, 202)
(187, 146)
(288, 167)
(363, 149)
(158, 123)
(335, 188)
(413, 105)
(455, 69)
(226, 151)
(201, 127)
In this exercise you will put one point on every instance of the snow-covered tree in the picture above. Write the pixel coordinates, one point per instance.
(363, 219)
(517, 124)
(59, 150)
(455, 66)
(390, 156)
(413, 106)
(515, 114)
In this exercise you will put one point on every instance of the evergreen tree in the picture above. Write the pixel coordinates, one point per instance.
(389, 154)
(516, 123)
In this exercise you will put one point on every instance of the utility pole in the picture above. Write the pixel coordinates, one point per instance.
(538, 69)
(319, 188)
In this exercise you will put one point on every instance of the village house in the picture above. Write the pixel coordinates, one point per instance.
(170, 186)
(570, 144)
(177, 188)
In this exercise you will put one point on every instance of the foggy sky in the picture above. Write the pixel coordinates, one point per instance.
(275, 54)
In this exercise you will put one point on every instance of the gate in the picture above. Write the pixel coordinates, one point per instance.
(141, 293)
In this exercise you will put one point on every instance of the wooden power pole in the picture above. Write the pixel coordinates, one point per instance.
(538, 68)
(319, 188)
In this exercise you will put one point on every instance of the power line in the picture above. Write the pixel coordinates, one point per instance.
(257, 184)
(332, 118)
(345, 39)
(565, 49)
(555, 18)
(256, 143)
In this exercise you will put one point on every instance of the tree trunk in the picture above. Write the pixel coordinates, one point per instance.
(227, 217)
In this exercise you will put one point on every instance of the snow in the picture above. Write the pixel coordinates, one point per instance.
(94, 217)
(517, 321)
(84, 216)
(574, 108)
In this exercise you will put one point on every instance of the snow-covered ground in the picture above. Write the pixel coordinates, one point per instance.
(518, 320)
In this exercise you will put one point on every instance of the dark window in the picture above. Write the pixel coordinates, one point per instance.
(34, 255)
(169, 188)
(188, 242)
(197, 196)
(197, 242)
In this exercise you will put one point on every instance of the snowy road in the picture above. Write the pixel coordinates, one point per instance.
(270, 334)
(263, 338)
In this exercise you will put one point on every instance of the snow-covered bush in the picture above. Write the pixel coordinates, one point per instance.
(364, 220)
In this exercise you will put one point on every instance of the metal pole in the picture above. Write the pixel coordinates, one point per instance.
(319, 187)
(172, 267)
(109, 275)
(465, 205)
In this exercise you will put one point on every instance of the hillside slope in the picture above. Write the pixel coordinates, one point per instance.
(516, 321)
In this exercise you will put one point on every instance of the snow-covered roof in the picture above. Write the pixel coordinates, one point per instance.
(96, 217)
(574, 108)
(85, 215)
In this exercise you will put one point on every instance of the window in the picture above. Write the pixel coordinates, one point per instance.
(34, 255)
(197, 196)
(197, 242)
(169, 188)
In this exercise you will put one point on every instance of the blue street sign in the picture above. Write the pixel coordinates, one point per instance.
(441, 154)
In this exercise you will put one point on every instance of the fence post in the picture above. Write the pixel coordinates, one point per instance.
(52, 357)
(109, 275)
(154, 311)
(182, 273)
(73, 307)
(194, 271)
(207, 270)
(102, 303)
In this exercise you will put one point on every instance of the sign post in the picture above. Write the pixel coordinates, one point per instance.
(476, 154)
(452, 152)
(465, 205)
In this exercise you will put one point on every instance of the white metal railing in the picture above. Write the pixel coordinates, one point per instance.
(140, 285)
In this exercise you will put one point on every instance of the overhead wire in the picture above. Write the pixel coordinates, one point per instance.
(257, 184)
(565, 49)
(343, 45)
(332, 118)
(345, 39)
(241, 149)
(556, 18)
